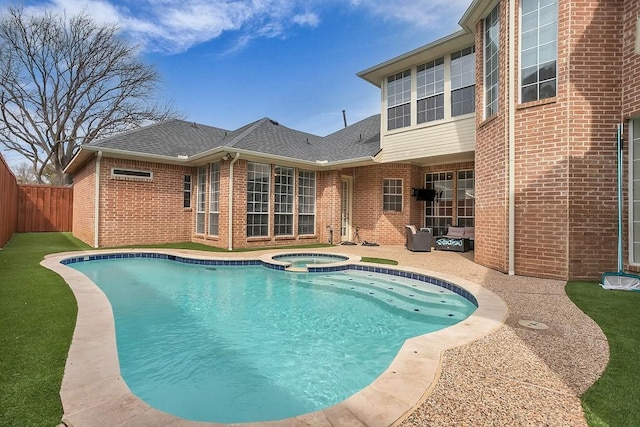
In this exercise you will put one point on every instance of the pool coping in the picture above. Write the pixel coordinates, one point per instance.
(94, 393)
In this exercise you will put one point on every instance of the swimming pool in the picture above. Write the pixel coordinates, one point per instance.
(301, 260)
(267, 355)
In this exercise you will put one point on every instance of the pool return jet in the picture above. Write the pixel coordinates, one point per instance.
(619, 279)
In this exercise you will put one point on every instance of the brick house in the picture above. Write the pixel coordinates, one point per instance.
(511, 120)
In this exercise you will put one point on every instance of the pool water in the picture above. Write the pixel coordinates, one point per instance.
(247, 343)
(302, 260)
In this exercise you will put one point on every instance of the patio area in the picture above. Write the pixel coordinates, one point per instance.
(516, 375)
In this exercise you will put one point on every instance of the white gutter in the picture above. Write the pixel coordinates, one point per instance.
(512, 135)
(230, 218)
(96, 207)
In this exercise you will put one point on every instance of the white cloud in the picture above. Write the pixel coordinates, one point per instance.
(417, 12)
(173, 26)
(307, 19)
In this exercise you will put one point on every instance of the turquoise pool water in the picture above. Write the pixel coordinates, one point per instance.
(302, 260)
(248, 343)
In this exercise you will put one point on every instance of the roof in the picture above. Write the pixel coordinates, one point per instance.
(450, 43)
(182, 142)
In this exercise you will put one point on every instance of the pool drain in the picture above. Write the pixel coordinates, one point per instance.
(532, 324)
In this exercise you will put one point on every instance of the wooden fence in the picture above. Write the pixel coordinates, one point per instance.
(44, 208)
(8, 203)
(31, 208)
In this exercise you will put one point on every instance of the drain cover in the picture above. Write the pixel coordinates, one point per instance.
(532, 324)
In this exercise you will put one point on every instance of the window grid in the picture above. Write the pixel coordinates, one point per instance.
(491, 62)
(635, 191)
(392, 195)
(186, 192)
(463, 80)
(466, 198)
(214, 198)
(258, 178)
(430, 91)
(439, 212)
(399, 100)
(538, 49)
(283, 203)
(306, 202)
(201, 199)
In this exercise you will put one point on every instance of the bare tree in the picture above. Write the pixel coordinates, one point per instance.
(24, 173)
(64, 83)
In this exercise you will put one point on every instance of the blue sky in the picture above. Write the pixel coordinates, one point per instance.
(227, 63)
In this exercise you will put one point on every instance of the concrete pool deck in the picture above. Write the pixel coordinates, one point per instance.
(509, 375)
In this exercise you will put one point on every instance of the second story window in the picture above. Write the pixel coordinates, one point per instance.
(538, 49)
(463, 81)
(430, 91)
(399, 100)
(491, 69)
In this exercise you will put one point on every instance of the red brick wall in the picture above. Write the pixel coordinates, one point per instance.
(137, 211)
(491, 238)
(595, 107)
(84, 188)
(564, 154)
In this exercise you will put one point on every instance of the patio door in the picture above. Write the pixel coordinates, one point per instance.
(346, 201)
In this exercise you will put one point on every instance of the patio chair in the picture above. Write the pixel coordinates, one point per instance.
(418, 240)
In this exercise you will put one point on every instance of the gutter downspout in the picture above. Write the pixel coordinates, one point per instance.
(512, 135)
(96, 207)
(230, 220)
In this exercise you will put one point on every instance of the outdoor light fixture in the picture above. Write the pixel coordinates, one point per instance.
(226, 157)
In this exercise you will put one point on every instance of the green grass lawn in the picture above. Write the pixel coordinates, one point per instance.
(37, 317)
(614, 399)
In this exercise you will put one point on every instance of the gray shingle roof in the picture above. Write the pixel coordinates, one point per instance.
(169, 138)
(177, 137)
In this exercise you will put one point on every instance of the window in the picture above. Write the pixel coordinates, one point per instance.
(399, 100)
(538, 49)
(392, 195)
(466, 198)
(214, 198)
(306, 202)
(201, 199)
(430, 91)
(131, 173)
(283, 204)
(491, 68)
(186, 192)
(439, 212)
(634, 205)
(463, 81)
(258, 177)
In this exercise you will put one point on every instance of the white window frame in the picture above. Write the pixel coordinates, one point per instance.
(306, 199)
(430, 82)
(401, 98)
(187, 192)
(487, 104)
(258, 201)
(201, 199)
(214, 199)
(439, 222)
(390, 199)
(538, 32)
(467, 202)
(466, 76)
(633, 198)
(283, 202)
